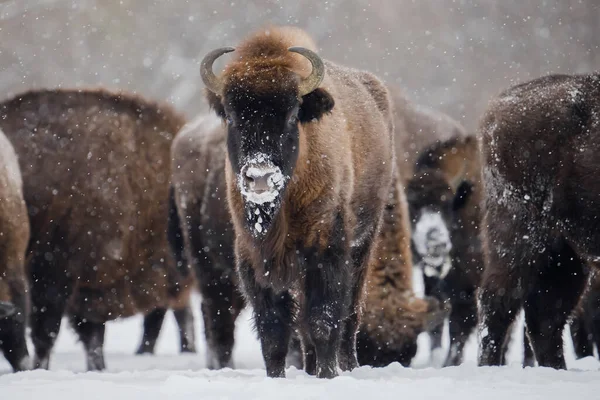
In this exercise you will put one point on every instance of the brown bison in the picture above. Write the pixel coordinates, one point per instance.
(541, 185)
(96, 174)
(14, 237)
(393, 317)
(309, 163)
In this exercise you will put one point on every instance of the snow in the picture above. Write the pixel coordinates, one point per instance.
(169, 374)
(430, 230)
(259, 166)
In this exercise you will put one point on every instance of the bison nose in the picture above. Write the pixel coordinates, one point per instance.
(259, 183)
(437, 242)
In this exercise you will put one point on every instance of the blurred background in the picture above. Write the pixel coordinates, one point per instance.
(448, 54)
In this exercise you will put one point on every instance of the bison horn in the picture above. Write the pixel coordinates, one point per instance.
(315, 78)
(213, 83)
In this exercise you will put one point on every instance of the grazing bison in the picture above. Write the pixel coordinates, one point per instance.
(96, 174)
(14, 237)
(541, 185)
(309, 163)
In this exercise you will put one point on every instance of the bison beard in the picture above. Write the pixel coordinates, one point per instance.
(297, 268)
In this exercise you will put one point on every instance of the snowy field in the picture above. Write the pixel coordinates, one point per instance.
(171, 375)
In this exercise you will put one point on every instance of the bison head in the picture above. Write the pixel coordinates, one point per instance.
(433, 201)
(264, 104)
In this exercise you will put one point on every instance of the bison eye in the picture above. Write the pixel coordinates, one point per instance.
(293, 120)
(228, 120)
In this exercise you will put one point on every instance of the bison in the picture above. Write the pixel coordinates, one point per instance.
(308, 166)
(393, 315)
(96, 174)
(540, 172)
(14, 238)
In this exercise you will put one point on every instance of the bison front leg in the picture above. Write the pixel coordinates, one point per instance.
(511, 263)
(152, 325)
(360, 255)
(328, 291)
(273, 318)
(91, 335)
(553, 294)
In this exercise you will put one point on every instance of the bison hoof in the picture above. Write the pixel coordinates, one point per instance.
(188, 349)
(326, 372)
(41, 362)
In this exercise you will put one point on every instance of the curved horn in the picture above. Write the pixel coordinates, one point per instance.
(213, 83)
(315, 78)
(457, 179)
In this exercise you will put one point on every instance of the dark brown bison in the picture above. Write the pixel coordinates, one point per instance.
(14, 237)
(309, 163)
(541, 185)
(96, 174)
(443, 197)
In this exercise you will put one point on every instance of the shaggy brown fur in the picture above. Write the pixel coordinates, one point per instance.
(391, 335)
(540, 170)
(393, 316)
(96, 174)
(335, 197)
(14, 237)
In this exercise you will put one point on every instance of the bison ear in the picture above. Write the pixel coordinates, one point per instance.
(463, 192)
(214, 102)
(314, 105)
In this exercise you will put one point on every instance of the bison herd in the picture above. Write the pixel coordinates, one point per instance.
(308, 194)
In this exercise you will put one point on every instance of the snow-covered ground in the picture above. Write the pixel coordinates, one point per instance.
(171, 375)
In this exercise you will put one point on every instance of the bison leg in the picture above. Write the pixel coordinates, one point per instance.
(187, 335)
(12, 331)
(462, 322)
(347, 354)
(433, 286)
(582, 344)
(92, 336)
(528, 356)
(221, 305)
(48, 299)
(152, 325)
(295, 356)
(273, 318)
(510, 261)
(554, 293)
(328, 297)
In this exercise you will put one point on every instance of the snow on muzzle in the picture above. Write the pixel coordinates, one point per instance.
(260, 181)
(431, 239)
